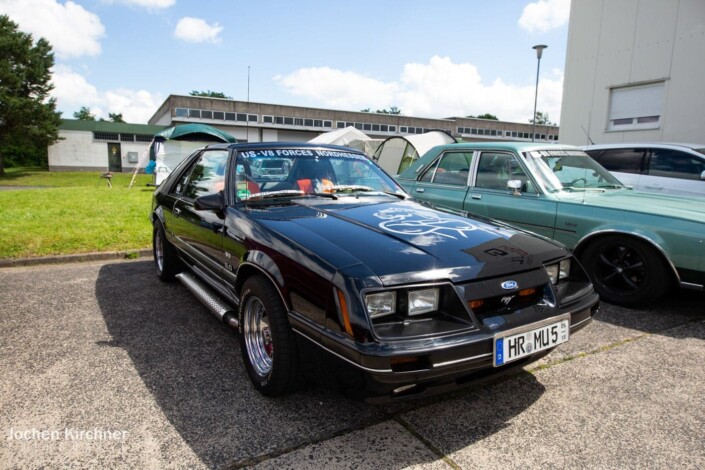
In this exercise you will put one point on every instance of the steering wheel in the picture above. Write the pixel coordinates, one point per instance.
(577, 180)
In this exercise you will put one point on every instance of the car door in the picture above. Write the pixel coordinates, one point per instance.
(675, 172)
(445, 182)
(199, 234)
(489, 195)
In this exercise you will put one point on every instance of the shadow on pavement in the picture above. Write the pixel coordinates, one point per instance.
(191, 364)
(678, 307)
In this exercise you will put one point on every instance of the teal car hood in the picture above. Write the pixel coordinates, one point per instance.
(686, 208)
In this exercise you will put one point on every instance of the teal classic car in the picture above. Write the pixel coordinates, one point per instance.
(634, 245)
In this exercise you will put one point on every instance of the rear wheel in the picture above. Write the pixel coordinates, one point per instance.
(267, 341)
(625, 271)
(165, 258)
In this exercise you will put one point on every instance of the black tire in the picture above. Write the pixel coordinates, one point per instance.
(165, 258)
(625, 271)
(268, 344)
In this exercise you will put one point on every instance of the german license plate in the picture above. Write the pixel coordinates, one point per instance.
(512, 345)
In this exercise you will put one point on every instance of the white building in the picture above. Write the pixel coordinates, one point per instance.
(100, 146)
(634, 72)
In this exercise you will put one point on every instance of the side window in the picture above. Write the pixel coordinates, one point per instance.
(428, 176)
(675, 164)
(207, 175)
(622, 160)
(453, 168)
(496, 169)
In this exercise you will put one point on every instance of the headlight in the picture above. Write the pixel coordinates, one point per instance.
(423, 301)
(558, 271)
(381, 303)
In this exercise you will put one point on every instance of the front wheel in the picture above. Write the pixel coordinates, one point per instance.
(165, 258)
(267, 341)
(625, 271)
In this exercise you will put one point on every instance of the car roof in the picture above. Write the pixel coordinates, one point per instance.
(511, 146)
(281, 145)
(662, 145)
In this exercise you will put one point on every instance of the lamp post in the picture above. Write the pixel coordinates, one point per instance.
(539, 52)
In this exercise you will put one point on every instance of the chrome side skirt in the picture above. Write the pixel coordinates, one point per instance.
(220, 309)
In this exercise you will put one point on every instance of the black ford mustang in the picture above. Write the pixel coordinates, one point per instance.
(329, 250)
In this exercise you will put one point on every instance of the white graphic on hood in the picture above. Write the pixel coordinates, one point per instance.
(415, 222)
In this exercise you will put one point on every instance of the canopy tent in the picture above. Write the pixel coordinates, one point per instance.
(396, 153)
(349, 137)
(173, 144)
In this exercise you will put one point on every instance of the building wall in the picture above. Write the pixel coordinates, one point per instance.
(619, 44)
(307, 123)
(79, 151)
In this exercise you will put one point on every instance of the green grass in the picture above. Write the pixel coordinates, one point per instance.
(76, 213)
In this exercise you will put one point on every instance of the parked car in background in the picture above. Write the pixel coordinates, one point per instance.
(633, 245)
(655, 167)
(331, 251)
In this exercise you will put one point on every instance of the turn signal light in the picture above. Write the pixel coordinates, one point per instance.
(473, 304)
(344, 312)
(525, 292)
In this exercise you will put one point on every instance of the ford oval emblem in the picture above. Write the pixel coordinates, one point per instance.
(509, 285)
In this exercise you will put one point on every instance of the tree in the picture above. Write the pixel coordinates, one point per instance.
(392, 110)
(542, 119)
(29, 122)
(115, 117)
(210, 94)
(485, 116)
(84, 114)
(366, 110)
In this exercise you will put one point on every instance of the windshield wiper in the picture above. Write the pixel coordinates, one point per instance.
(273, 194)
(341, 188)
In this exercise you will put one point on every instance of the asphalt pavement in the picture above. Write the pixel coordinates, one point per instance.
(102, 365)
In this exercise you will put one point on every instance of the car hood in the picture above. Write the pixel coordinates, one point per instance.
(686, 208)
(403, 241)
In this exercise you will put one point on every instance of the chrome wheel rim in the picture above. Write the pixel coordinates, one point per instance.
(258, 336)
(159, 251)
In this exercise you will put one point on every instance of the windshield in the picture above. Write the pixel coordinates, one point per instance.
(293, 172)
(570, 170)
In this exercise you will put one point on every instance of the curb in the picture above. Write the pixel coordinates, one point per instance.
(75, 258)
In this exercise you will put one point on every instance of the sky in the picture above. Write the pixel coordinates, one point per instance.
(445, 58)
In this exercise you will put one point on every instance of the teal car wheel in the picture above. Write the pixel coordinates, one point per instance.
(625, 271)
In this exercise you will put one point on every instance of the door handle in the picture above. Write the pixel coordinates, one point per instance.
(476, 196)
(177, 211)
(420, 190)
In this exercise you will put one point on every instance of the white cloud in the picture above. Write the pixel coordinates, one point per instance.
(197, 30)
(439, 89)
(72, 30)
(149, 4)
(72, 91)
(545, 15)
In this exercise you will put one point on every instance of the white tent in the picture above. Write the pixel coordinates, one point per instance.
(349, 137)
(396, 153)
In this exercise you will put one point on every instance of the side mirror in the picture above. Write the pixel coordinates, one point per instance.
(702, 176)
(211, 202)
(515, 186)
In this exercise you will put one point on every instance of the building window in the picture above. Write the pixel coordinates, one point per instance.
(268, 119)
(384, 128)
(242, 117)
(328, 124)
(106, 136)
(317, 123)
(636, 107)
(206, 114)
(298, 121)
(194, 113)
(309, 123)
(289, 121)
(251, 118)
(338, 125)
(143, 138)
(181, 112)
(278, 120)
(392, 128)
(229, 116)
(127, 137)
(367, 127)
(218, 115)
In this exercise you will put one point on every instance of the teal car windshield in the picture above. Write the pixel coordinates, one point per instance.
(570, 170)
